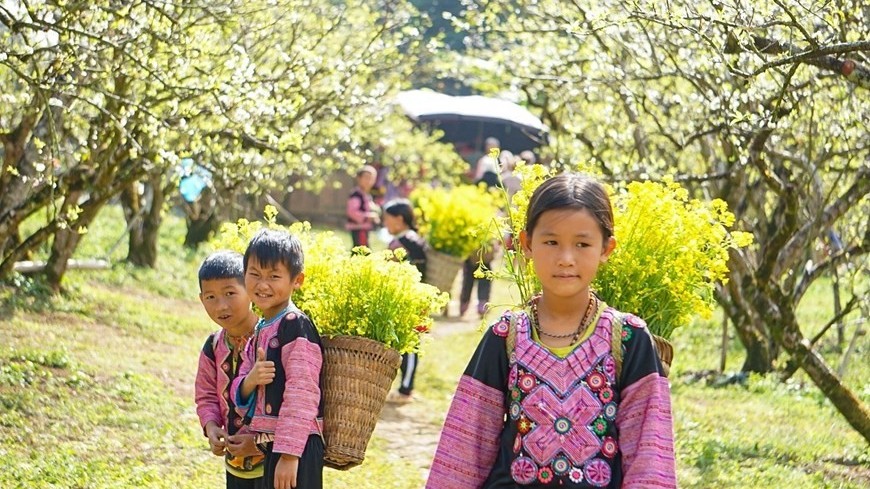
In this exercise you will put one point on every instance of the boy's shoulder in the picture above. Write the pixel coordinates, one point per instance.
(296, 324)
(211, 342)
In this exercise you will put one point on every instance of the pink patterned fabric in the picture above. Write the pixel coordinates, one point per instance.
(569, 420)
(561, 425)
(301, 397)
(646, 434)
(212, 384)
(301, 362)
(562, 373)
(358, 206)
(469, 440)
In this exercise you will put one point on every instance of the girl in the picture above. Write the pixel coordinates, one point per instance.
(399, 221)
(540, 404)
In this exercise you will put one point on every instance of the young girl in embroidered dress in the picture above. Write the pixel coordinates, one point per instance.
(540, 403)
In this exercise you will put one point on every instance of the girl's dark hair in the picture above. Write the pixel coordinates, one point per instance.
(220, 265)
(403, 209)
(270, 247)
(571, 191)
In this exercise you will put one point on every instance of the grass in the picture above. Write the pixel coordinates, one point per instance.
(96, 391)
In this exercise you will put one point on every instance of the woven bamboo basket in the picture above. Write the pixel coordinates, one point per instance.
(666, 352)
(357, 376)
(441, 270)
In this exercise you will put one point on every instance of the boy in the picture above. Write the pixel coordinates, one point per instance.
(222, 293)
(362, 214)
(279, 386)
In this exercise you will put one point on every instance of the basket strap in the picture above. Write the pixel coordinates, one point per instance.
(616, 342)
(510, 342)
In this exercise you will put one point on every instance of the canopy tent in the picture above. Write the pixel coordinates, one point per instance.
(474, 118)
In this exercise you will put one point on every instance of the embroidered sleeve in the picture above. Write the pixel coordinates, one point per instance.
(469, 440)
(302, 359)
(244, 407)
(644, 418)
(207, 402)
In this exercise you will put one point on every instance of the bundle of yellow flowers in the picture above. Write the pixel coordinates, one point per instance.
(370, 295)
(453, 220)
(671, 251)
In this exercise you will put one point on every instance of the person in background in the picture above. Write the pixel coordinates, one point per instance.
(486, 170)
(507, 180)
(399, 221)
(362, 213)
(543, 402)
(222, 293)
(529, 157)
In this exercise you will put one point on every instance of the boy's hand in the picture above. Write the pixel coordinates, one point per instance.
(217, 438)
(285, 472)
(263, 371)
(243, 445)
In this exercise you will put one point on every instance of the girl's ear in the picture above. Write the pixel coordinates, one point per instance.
(609, 246)
(525, 244)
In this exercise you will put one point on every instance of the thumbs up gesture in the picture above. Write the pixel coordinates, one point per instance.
(263, 371)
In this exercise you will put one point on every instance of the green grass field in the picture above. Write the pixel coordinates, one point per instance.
(96, 391)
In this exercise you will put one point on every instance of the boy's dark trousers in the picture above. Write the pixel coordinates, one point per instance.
(234, 482)
(310, 473)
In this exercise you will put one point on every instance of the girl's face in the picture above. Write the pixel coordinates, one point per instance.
(366, 181)
(394, 224)
(567, 247)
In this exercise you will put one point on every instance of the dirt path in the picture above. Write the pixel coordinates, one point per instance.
(411, 430)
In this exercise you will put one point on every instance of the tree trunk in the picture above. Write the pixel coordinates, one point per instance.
(736, 302)
(199, 230)
(15, 186)
(62, 249)
(144, 217)
(844, 400)
(759, 357)
(67, 239)
(202, 219)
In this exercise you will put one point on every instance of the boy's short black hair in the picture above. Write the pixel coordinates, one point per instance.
(271, 246)
(220, 265)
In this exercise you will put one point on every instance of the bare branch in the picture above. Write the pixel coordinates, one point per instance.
(821, 57)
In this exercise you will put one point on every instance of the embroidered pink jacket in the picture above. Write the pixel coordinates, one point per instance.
(291, 406)
(359, 204)
(539, 420)
(213, 378)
